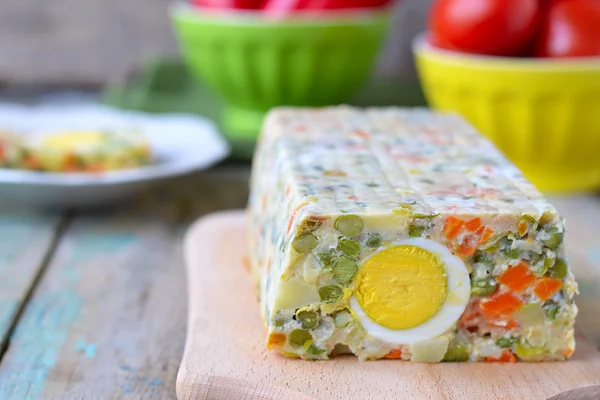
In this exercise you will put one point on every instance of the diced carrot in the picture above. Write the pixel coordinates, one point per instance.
(452, 227)
(506, 356)
(287, 190)
(275, 340)
(291, 221)
(470, 315)
(394, 355)
(246, 261)
(263, 202)
(473, 224)
(522, 228)
(466, 249)
(31, 163)
(546, 287)
(500, 307)
(353, 197)
(362, 134)
(517, 278)
(567, 353)
(96, 167)
(484, 234)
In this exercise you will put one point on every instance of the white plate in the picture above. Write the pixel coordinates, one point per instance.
(180, 144)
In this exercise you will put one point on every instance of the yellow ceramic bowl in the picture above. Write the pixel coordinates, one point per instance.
(544, 114)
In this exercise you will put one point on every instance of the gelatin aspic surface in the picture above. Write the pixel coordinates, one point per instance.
(402, 233)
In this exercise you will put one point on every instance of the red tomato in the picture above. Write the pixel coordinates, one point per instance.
(493, 27)
(570, 28)
(282, 7)
(228, 4)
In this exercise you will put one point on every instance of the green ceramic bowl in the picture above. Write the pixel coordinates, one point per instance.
(256, 63)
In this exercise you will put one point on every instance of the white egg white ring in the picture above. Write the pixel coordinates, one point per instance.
(459, 292)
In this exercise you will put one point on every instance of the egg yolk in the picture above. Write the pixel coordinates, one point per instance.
(402, 287)
(70, 140)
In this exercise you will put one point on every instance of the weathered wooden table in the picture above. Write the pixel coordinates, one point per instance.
(93, 304)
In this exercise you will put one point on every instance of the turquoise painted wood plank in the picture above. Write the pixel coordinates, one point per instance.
(108, 319)
(26, 238)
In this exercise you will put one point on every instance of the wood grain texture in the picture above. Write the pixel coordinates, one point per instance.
(108, 318)
(107, 321)
(225, 356)
(26, 238)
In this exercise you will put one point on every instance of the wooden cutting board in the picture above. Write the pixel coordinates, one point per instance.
(225, 356)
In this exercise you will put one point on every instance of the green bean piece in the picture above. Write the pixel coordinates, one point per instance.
(305, 243)
(415, 230)
(555, 239)
(300, 336)
(342, 318)
(374, 240)
(308, 319)
(548, 263)
(344, 269)
(483, 258)
(279, 322)
(348, 225)
(483, 287)
(512, 253)
(506, 342)
(349, 247)
(457, 353)
(331, 293)
(559, 269)
(551, 309)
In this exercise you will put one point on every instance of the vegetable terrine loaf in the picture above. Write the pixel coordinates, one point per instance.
(392, 233)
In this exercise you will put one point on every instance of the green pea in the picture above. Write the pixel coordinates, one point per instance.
(349, 247)
(331, 293)
(300, 336)
(344, 269)
(511, 253)
(279, 322)
(342, 319)
(481, 257)
(559, 269)
(554, 240)
(308, 319)
(506, 342)
(456, 354)
(312, 349)
(483, 287)
(305, 243)
(374, 240)
(348, 225)
(327, 258)
(551, 309)
(415, 231)
(546, 217)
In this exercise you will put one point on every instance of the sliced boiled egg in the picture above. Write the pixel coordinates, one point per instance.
(410, 291)
(72, 140)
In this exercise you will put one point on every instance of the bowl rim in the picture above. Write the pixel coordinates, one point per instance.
(255, 18)
(421, 46)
